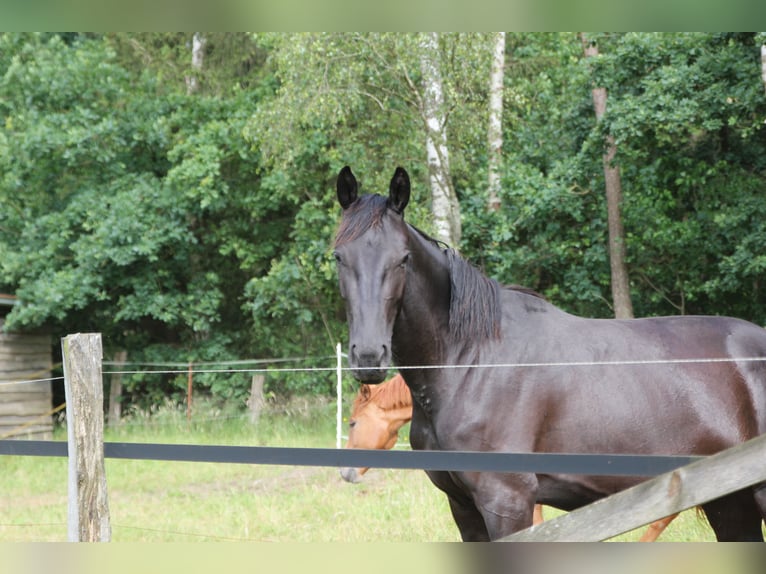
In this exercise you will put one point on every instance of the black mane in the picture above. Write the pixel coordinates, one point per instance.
(475, 311)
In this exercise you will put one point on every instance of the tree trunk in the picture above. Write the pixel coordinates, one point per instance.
(623, 307)
(495, 131)
(444, 203)
(198, 58)
(763, 65)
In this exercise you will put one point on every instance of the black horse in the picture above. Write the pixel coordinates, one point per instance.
(494, 368)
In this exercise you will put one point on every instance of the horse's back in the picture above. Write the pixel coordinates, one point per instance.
(680, 384)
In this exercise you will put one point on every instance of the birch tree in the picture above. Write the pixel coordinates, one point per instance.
(495, 131)
(387, 99)
(763, 65)
(198, 58)
(444, 202)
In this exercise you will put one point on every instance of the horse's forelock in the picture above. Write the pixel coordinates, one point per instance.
(364, 213)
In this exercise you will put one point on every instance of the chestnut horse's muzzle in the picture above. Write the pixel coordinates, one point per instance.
(351, 475)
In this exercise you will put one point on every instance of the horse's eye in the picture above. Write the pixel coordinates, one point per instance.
(405, 260)
(352, 424)
(337, 256)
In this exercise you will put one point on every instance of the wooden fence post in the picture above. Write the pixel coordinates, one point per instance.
(189, 386)
(256, 400)
(88, 509)
(115, 390)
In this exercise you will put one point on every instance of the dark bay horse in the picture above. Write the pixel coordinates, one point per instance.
(500, 369)
(379, 411)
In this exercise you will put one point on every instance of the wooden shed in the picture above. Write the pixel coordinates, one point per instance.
(25, 407)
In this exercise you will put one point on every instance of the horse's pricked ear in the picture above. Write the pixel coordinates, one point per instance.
(399, 190)
(347, 187)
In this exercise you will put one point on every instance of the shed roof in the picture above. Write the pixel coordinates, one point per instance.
(8, 300)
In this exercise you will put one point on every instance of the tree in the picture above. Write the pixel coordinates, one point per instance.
(118, 194)
(353, 99)
(623, 307)
(495, 129)
(199, 226)
(763, 65)
(198, 57)
(368, 91)
(444, 202)
(684, 112)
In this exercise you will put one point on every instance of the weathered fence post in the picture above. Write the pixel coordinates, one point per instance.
(256, 400)
(88, 512)
(115, 390)
(189, 386)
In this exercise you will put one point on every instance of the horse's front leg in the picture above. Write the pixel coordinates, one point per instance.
(469, 521)
(506, 502)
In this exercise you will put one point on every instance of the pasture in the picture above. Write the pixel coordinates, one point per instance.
(153, 501)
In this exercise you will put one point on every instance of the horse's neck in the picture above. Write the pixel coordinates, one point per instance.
(423, 321)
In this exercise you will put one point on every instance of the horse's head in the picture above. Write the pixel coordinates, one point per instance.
(377, 414)
(372, 253)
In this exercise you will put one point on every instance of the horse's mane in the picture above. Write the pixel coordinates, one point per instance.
(475, 310)
(390, 394)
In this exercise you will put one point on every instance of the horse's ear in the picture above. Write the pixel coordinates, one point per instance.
(347, 187)
(399, 190)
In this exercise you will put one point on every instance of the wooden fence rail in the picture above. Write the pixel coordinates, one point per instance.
(728, 471)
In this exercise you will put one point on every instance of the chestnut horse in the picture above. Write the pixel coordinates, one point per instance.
(492, 368)
(379, 411)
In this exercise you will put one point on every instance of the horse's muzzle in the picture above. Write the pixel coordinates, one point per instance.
(369, 366)
(369, 376)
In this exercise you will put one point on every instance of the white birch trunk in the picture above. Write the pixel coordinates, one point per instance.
(763, 65)
(495, 131)
(444, 203)
(198, 58)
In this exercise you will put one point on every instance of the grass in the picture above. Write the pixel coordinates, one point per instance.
(151, 501)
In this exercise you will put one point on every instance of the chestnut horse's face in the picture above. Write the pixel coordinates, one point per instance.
(372, 256)
(373, 427)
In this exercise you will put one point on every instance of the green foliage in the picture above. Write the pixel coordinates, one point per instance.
(198, 227)
(119, 197)
(686, 111)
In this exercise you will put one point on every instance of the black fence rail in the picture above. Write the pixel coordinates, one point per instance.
(546, 463)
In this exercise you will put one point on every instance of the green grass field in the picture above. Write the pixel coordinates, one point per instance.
(152, 501)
